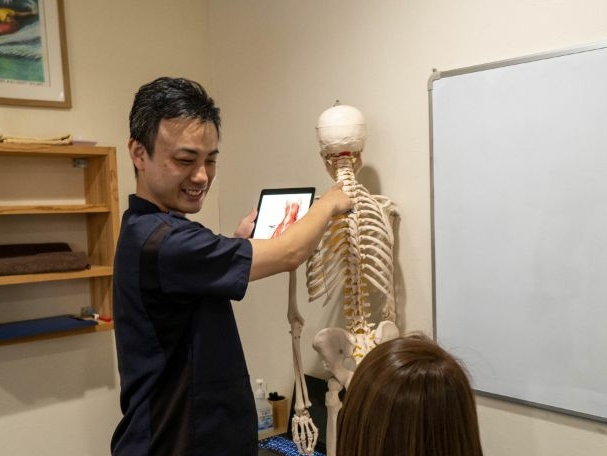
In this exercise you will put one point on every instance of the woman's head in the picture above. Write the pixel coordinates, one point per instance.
(409, 397)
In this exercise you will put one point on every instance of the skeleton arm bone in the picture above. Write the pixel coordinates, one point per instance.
(303, 429)
(305, 433)
(297, 322)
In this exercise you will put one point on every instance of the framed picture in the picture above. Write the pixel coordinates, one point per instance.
(33, 56)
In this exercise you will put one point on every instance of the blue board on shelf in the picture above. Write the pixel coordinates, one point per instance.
(39, 326)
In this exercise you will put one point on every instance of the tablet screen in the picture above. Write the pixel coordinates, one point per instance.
(278, 208)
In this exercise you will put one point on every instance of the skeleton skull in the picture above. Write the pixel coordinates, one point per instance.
(341, 130)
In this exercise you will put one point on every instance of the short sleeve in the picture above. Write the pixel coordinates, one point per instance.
(195, 261)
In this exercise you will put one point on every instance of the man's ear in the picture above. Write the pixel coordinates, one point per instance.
(138, 154)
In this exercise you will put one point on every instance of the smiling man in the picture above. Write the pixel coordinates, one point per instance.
(179, 174)
(185, 388)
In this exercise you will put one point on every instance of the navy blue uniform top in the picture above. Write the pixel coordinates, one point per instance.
(185, 388)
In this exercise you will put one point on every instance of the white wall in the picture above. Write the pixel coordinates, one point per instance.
(278, 64)
(60, 397)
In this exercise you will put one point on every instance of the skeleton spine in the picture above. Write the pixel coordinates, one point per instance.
(356, 304)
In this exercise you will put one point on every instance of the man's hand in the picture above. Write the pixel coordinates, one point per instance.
(245, 228)
(337, 200)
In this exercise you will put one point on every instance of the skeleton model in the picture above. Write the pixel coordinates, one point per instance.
(354, 256)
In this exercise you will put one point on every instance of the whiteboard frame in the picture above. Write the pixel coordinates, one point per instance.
(434, 77)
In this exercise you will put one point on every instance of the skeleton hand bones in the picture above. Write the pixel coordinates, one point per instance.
(305, 433)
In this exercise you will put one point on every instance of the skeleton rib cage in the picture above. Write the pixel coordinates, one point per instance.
(355, 254)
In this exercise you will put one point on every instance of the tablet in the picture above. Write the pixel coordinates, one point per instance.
(279, 208)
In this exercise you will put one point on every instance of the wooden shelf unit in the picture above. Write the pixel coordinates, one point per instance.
(100, 209)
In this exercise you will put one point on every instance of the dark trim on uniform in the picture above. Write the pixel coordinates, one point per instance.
(171, 426)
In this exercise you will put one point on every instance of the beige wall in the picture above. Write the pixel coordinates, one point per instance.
(276, 64)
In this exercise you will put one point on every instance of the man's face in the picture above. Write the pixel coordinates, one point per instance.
(179, 174)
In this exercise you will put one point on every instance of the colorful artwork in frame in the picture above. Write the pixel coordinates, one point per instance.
(33, 57)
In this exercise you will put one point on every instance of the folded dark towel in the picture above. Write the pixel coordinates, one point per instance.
(16, 250)
(44, 262)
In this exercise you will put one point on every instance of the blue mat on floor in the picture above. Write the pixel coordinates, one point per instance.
(282, 446)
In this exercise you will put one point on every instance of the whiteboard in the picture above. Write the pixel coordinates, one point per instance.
(519, 226)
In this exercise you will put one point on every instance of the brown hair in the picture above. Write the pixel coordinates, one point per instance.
(409, 397)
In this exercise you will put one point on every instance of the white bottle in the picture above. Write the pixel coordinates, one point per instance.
(265, 422)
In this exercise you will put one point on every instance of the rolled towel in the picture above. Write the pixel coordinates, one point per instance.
(55, 140)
